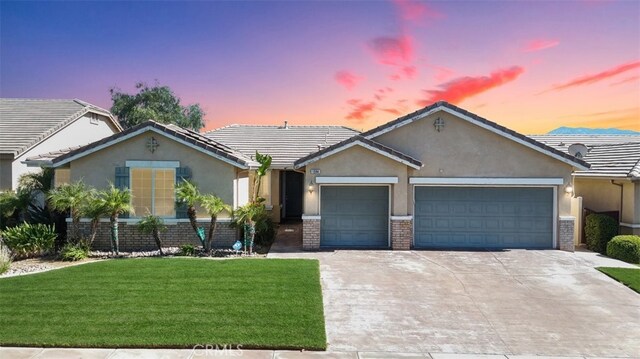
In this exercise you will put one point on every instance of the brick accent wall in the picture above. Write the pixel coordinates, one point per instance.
(310, 234)
(177, 234)
(566, 226)
(401, 234)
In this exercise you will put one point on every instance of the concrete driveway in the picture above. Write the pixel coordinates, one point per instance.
(512, 302)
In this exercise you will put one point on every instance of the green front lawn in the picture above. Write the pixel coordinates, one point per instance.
(627, 276)
(167, 302)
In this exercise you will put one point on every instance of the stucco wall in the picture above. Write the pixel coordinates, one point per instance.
(358, 161)
(5, 174)
(79, 132)
(601, 196)
(463, 149)
(210, 174)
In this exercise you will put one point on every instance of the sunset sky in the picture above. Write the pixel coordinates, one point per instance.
(531, 66)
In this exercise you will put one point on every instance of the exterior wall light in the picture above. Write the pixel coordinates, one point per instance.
(568, 189)
(310, 187)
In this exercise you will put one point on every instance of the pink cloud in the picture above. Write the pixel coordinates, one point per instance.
(415, 10)
(625, 80)
(360, 110)
(540, 44)
(392, 111)
(347, 79)
(462, 88)
(590, 79)
(394, 51)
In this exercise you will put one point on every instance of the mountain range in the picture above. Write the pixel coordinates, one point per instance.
(591, 131)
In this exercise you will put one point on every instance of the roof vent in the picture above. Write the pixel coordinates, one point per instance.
(578, 150)
(286, 124)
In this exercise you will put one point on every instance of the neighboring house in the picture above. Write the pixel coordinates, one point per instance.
(283, 187)
(31, 127)
(612, 184)
(440, 177)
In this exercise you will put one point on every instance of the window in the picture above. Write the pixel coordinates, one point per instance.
(94, 118)
(61, 176)
(153, 191)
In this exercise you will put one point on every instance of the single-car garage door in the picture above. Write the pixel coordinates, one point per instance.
(483, 217)
(354, 216)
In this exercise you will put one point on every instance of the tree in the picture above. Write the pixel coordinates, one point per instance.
(187, 194)
(157, 103)
(265, 163)
(70, 197)
(116, 202)
(214, 205)
(153, 225)
(94, 209)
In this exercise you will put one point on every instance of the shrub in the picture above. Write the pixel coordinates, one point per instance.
(625, 248)
(74, 252)
(29, 240)
(153, 225)
(599, 229)
(5, 258)
(187, 250)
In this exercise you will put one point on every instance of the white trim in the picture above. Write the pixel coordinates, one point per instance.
(567, 218)
(401, 218)
(630, 225)
(555, 217)
(308, 217)
(141, 131)
(480, 124)
(501, 181)
(153, 164)
(362, 144)
(356, 180)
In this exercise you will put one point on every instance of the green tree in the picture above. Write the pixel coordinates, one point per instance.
(265, 163)
(116, 202)
(94, 209)
(153, 225)
(70, 197)
(187, 194)
(214, 205)
(157, 103)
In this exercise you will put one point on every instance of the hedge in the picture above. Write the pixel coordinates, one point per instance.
(625, 248)
(598, 230)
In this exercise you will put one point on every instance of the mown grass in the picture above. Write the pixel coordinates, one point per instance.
(167, 303)
(627, 276)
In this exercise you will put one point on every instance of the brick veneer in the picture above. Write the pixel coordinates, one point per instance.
(401, 233)
(310, 233)
(566, 226)
(177, 234)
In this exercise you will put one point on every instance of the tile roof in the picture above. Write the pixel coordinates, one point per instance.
(390, 152)
(562, 142)
(479, 120)
(26, 122)
(190, 137)
(284, 144)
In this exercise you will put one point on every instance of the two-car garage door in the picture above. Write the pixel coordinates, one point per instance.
(483, 217)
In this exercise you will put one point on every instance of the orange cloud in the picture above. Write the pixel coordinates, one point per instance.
(347, 79)
(590, 79)
(394, 51)
(360, 110)
(415, 10)
(392, 111)
(461, 88)
(540, 44)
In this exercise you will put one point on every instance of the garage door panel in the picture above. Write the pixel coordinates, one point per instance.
(477, 217)
(354, 216)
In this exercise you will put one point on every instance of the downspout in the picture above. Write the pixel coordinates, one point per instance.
(613, 182)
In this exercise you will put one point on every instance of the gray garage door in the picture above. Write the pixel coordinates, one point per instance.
(479, 217)
(354, 216)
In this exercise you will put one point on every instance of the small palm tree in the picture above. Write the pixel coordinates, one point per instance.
(187, 193)
(70, 197)
(214, 205)
(153, 225)
(93, 209)
(248, 215)
(115, 202)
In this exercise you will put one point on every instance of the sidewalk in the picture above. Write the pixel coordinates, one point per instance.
(58, 353)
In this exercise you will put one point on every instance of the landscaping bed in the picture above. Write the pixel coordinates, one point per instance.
(627, 276)
(167, 303)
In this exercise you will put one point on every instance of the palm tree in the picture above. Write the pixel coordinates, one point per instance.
(70, 197)
(214, 205)
(115, 202)
(93, 209)
(248, 215)
(153, 225)
(187, 193)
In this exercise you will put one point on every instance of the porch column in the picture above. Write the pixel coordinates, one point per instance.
(310, 232)
(566, 226)
(401, 232)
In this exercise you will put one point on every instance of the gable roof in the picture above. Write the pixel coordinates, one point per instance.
(179, 134)
(479, 121)
(27, 122)
(285, 144)
(562, 142)
(363, 142)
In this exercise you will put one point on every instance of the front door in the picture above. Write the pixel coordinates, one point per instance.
(292, 189)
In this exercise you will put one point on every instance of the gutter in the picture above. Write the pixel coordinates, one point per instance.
(613, 182)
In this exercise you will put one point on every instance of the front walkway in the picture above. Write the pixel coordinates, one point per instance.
(39, 353)
(520, 302)
(288, 238)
